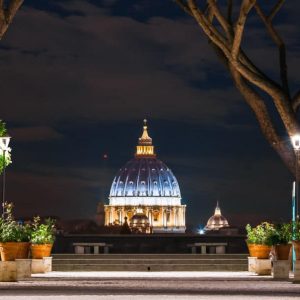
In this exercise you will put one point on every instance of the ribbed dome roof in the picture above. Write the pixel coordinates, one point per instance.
(145, 177)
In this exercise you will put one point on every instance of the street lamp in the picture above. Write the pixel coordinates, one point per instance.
(4, 150)
(296, 144)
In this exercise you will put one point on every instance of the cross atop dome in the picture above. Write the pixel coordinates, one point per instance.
(145, 147)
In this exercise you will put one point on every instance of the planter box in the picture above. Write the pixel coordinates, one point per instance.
(8, 271)
(23, 268)
(259, 266)
(263, 267)
(252, 264)
(281, 269)
(41, 265)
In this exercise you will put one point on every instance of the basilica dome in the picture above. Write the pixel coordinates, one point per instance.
(145, 180)
(217, 221)
(148, 177)
(146, 192)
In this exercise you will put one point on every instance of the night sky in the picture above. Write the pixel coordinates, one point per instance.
(78, 78)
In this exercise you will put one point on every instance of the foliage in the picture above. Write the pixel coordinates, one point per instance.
(10, 230)
(7, 160)
(261, 234)
(282, 234)
(3, 130)
(296, 233)
(43, 233)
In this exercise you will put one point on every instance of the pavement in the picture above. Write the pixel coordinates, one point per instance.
(149, 285)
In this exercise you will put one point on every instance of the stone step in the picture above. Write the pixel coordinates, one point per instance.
(150, 256)
(152, 267)
(143, 261)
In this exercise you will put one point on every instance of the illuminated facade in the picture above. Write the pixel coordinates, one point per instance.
(146, 187)
(217, 221)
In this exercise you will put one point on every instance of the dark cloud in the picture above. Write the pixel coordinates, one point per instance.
(79, 76)
(38, 133)
(102, 67)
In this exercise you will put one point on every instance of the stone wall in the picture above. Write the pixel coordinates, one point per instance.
(154, 243)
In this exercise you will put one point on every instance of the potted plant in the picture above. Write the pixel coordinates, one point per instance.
(281, 240)
(9, 234)
(42, 238)
(296, 238)
(23, 237)
(259, 239)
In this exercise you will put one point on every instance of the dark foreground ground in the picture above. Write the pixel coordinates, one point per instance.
(142, 285)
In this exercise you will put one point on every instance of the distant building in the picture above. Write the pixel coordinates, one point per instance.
(146, 192)
(100, 214)
(217, 221)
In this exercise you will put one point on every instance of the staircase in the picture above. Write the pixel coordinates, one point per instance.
(150, 262)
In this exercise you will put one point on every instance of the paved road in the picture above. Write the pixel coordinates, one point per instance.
(198, 285)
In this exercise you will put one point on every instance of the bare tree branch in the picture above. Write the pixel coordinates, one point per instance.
(275, 9)
(255, 86)
(281, 48)
(223, 22)
(260, 110)
(7, 14)
(239, 28)
(229, 12)
(296, 101)
(184, 7)
(208, 28)
(256, 103)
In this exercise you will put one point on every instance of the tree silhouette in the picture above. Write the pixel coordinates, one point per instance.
(224, 25)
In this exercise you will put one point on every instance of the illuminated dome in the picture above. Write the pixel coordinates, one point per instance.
(148, 177)
(217, 221)
(145, 180)
(146, 192)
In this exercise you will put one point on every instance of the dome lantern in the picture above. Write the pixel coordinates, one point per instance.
(145, 147)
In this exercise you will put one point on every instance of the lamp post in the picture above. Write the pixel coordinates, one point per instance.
(296, 145)
(4, 149)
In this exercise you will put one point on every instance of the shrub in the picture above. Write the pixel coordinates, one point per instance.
(43, 233)
(10, 230)
(261, 234)
(7, 160)
(296, 228)
(282, 234)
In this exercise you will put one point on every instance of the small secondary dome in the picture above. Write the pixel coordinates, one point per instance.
(139, 222)
(217, 221)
